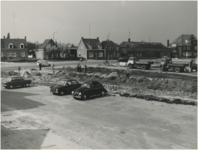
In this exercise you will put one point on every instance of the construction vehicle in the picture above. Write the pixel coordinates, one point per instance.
(177, 65)
(134, 62)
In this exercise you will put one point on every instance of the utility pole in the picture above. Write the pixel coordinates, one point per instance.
(14, 22)
(149, 46)
(53, 35)
(129, 34)
(89, 30)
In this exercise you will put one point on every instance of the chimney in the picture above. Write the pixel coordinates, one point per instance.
(8, 36)
(167, 43)
(129, 40)
(82, 38)
(25, 37)
(98, 38)
(4, 37)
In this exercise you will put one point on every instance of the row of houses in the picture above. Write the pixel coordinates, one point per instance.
(184, 46)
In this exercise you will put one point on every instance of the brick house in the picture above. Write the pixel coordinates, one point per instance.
(90, 49)
(48, 49)
(184, 46)
(13, 48)
(112, 50)
(145, 49)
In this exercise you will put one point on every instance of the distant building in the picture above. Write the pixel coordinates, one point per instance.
(145, 49)
(48, 49)
(13, 48)
(112, 50)
(184, 46)
(90, 49)
(68, 51)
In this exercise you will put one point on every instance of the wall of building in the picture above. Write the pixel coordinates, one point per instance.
(95, 54)
(40, 54)
(11, 53)
(82, 51)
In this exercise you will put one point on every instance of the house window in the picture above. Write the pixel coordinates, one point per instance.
(11, 45)
(188, 48)
(13, 54)
(100, 54)
(91, 55)
(9, 54)
(21, 45)
(22, 54)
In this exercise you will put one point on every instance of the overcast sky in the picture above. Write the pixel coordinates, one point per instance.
(158, 20)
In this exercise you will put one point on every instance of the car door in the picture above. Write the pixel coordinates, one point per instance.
(98, 88)
(75, 85)
(93, 90)
(14, 81)
(68, 87)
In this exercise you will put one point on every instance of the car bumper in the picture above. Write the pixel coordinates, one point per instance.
(55, 92)
(77, 96)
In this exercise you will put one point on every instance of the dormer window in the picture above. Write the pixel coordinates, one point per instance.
(11, 45)
(21, 45)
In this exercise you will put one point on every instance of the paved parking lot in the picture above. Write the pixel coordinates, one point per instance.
(34, 118)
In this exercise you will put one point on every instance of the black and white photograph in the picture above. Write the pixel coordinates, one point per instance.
(98, 74)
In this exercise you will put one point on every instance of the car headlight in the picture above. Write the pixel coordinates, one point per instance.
(72, 92)
(79, 93)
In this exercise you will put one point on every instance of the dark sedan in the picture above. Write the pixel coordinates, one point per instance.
(89, 89)
(16, 81)
(65, 87)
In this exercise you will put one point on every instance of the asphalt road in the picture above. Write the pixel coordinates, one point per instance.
(14, 66)
(34, 118)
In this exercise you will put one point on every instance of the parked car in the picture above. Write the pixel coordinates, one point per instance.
(89, 89)
(44, 63)
(123, 59)
(16, 81)
(65, 87)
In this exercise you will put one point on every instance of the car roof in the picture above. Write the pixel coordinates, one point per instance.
(92, 82)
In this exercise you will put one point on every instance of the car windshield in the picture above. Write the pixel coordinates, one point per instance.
(86, 85)
(8, 79)
(62, 82)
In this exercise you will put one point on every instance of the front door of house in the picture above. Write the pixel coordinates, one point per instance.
(96, 55)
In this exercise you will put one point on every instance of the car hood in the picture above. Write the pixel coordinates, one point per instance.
(57, 86)
(81, 89)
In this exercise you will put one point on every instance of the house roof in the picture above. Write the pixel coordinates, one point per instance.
(142, 45)
(92, 43)
(15, 42)
(107, 43)
(183, 40)
(45, 43)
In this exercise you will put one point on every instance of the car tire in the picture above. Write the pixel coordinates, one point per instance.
(103, 93)
(144, 67)
(177, 69)
(11, 86)
(85, 97)
(62, 93)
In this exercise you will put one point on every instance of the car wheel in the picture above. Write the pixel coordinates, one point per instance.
(177, 69)
(103, 93)
(11, 86)
(143, 67)
(62, 93)
(85, 97)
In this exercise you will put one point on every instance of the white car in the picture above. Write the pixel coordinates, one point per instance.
(44, 63)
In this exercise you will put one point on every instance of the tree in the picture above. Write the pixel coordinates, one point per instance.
(31, 47)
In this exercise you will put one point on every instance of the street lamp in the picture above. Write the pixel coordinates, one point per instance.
(53, 35)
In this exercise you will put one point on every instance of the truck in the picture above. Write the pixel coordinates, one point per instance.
(134, 62)
(178, 65)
